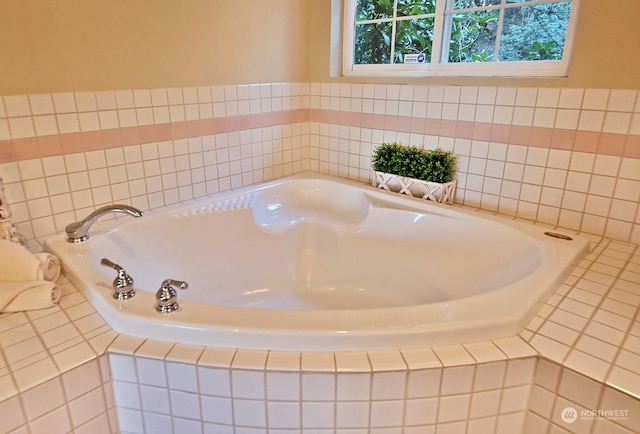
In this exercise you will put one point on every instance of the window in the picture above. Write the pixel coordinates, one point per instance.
(458, 37)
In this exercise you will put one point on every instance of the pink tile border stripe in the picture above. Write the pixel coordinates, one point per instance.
(61, 144)
(621, 145)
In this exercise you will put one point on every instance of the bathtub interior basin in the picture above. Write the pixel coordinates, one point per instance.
(311, 262)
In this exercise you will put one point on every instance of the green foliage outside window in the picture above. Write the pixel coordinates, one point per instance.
(535, 32)
(528, 32)
(414, 37)
(373, 44)
(473, 37)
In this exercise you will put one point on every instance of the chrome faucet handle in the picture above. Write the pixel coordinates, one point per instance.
(122, 284)
(167, 296)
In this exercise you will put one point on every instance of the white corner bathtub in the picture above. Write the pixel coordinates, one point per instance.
(311, 262)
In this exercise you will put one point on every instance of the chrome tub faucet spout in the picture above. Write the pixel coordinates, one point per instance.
(77, 232)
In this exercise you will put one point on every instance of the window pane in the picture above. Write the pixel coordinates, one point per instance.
(473, 36)
(534, 32)
(374, 9)
(414, 37)
(373, 43)
(407, 8)
(465, 4)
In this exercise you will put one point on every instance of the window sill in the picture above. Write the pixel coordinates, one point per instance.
(494, 69)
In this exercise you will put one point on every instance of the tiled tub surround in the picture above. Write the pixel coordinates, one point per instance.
(561, 156)
(54, 371)
(581, 350)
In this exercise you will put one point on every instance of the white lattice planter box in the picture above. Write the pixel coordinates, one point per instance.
(441, 193)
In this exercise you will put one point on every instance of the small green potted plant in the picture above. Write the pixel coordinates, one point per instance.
(425, 173)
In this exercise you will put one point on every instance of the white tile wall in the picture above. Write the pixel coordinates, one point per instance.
(76, 402)
(484, 182)
(557, 388)
(47, 193)
(290, 399)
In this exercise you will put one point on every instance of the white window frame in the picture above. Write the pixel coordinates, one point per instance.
(538, 68)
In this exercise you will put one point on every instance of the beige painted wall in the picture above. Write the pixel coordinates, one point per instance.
(606, 50)
(80, 45)
(85, 45)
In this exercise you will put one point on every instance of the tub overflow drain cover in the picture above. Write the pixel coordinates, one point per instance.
(559, 236)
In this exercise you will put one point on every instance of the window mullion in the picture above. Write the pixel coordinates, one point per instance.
(499, 31)
(441, 28)
(348, 34)
(394, 24)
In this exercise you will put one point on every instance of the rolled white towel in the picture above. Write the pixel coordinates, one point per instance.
(21, 296)
(50, 265)
(17, 264)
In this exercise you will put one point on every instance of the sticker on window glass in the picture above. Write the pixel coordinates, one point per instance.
(414, 58)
